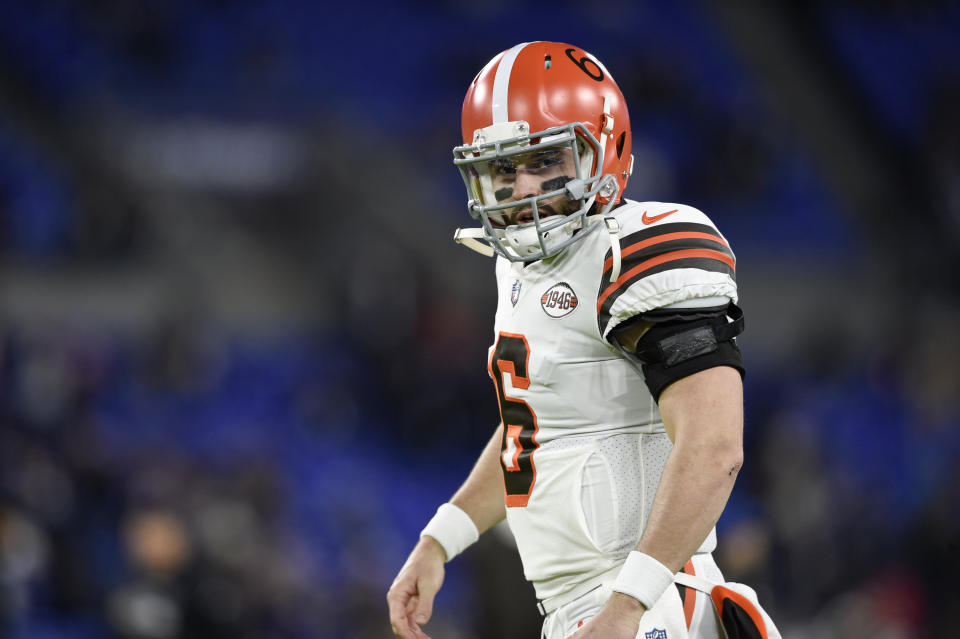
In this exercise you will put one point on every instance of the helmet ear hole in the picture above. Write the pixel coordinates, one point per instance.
(620, 141)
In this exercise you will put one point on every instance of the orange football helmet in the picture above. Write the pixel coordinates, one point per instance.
(528, 99)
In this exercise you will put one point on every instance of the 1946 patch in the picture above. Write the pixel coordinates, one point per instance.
(559, 300)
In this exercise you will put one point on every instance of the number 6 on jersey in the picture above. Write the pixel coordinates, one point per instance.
(511, 355)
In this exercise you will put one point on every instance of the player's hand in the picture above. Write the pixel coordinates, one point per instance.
(410, 598)
(618, 619)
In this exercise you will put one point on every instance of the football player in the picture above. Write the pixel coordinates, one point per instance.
(615, 366)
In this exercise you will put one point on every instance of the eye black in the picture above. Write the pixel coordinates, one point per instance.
(555, 183)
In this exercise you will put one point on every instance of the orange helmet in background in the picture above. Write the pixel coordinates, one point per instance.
(534, 95)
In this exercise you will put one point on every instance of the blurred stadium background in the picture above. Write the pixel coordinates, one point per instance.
(241, 360)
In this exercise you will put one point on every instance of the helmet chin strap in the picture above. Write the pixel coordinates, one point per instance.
(613, 229)
(472, 239)
(611, 223)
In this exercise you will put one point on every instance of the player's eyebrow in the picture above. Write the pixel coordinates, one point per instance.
(544, 154)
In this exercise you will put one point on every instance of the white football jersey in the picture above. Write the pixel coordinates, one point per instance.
(571, 404)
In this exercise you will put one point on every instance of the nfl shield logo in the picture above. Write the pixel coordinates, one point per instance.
(656, 633)
(515, 292)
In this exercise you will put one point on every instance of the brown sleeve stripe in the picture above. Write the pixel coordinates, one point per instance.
(659, 239)
(642, 269)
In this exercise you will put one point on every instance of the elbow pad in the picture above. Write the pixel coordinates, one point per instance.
(678, 345)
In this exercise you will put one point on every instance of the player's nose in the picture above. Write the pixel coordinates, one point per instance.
(527, 185)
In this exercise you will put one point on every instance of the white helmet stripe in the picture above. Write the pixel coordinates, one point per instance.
(501, 83)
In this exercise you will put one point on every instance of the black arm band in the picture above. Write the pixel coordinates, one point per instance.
(676, 347)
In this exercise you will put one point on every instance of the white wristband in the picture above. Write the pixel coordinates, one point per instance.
(643, 578)
(453, 529)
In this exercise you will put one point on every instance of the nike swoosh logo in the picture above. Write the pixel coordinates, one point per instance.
(650, 220)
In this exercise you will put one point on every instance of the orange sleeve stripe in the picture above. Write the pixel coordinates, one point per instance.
(690, 596)
(667, 237)
(660, 259)
(719, 593)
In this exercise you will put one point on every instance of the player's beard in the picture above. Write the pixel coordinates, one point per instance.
(558, 205)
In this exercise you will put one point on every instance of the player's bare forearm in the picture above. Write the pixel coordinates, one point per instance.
(410, 598)
(481, 495)
(703, 415)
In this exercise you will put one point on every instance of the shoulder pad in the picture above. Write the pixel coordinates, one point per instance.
(669, 253)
